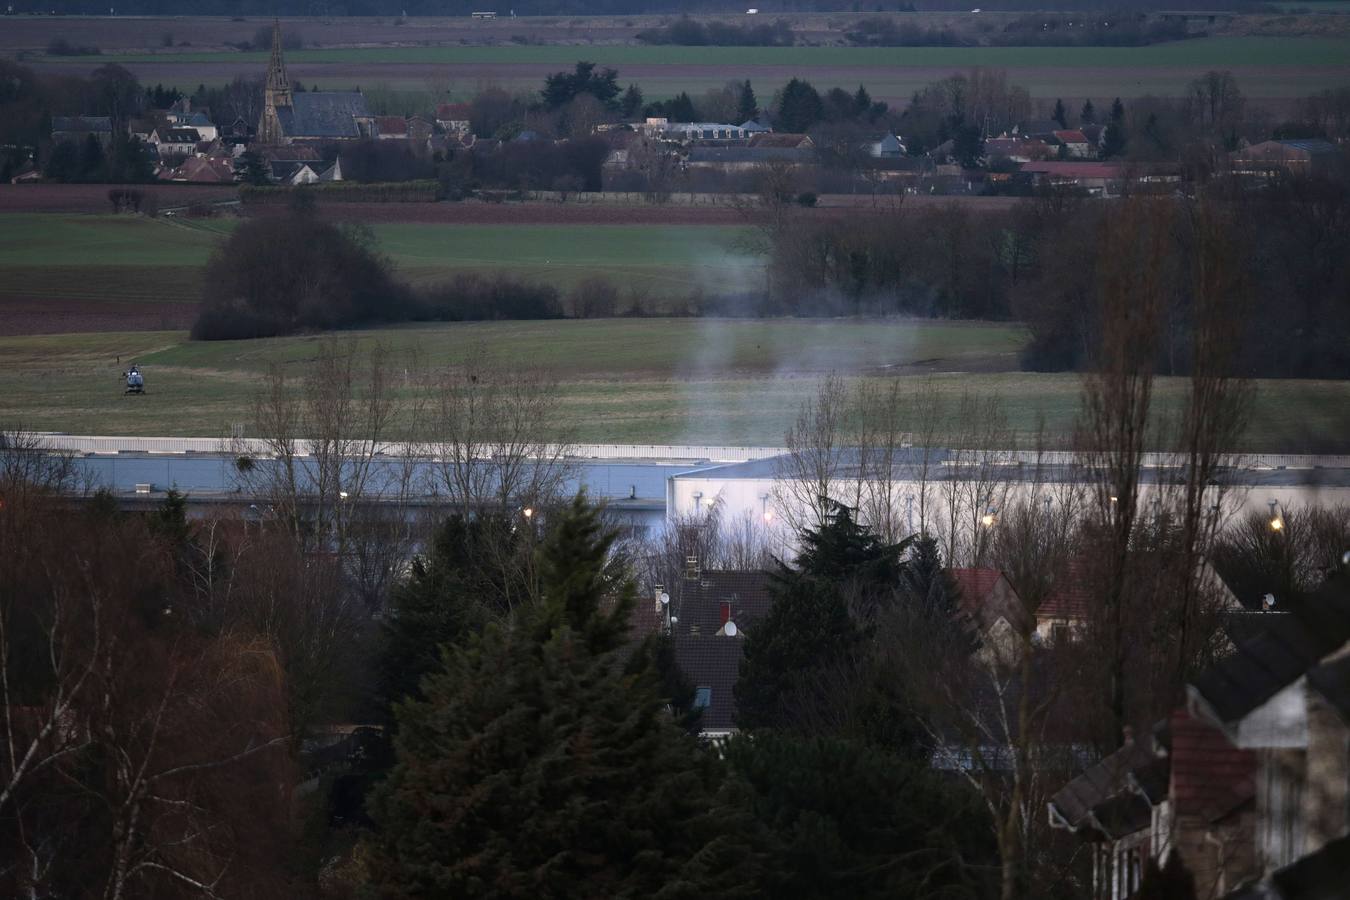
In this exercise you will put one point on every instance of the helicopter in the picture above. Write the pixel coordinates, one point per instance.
(135, 381)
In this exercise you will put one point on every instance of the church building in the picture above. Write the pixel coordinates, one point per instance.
(308, 116)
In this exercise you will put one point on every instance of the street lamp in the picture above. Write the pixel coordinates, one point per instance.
(528, 512)
(1276, 519)
(989, 518)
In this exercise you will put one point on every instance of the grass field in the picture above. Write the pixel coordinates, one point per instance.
(1266, 67)
(135, 258)
(641, 381)
(1203, 52)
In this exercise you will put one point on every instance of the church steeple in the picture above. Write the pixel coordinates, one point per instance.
(276, 94)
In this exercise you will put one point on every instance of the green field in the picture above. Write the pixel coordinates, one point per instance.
(38, 250)
(1212, 52)
(622, 380)
(1270, 68)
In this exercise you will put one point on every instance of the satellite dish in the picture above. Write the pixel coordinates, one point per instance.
(730, 629)
(674, 620)
(664, 598)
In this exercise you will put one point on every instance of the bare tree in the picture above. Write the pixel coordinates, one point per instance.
(808, 478)
(1115, 418)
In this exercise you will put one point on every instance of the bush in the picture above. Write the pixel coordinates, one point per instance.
(806, 198)
(59, 46)
(594, 298)
(279, 274)
(472, 298)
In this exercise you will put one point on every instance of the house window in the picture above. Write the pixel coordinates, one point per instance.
(702, 698)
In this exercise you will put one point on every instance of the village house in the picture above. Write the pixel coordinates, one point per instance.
(198, 120)
(453, 118)
(707, 614)
(691, 132)
(884, 146)
(1076, 144)
(1248, 783)
(783, 141)
(168, 141)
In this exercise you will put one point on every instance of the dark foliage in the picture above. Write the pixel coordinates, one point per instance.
(849, 820)
(687, 32)
(282, 273)
(473, 297)
(883, 31)
(539, 766)
(799, 107)
(539, 165)
(561, 88)
(381, 161)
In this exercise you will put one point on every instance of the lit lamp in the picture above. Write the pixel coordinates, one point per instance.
(1276, 520)
(988, 519)
(528, 512)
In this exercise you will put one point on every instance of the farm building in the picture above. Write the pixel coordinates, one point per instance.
(312, 115)
(1270, 158)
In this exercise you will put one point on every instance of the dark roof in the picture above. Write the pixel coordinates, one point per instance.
(1102, 797)
(1332, 681)
(1210, 777)
(780, 139)
(1264, 665)
(707, 657)
(180, 136)
(1311, 145)
(712, 662)
(1069, 596)
(749, 154)
(82, 123)
(323, 114)
(1039, 127)
(697, 604)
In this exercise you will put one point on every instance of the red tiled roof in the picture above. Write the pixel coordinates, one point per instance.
(1075, 169)
(975, 585)
(1069, 596)
(1072, 136)
(392, 124)
(453, 112)
(1210, 777)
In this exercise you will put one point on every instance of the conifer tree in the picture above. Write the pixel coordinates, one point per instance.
(1060, 115)
(747, 107)
(1088, 116)
(537, 766)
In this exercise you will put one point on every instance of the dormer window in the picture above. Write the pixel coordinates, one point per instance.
(702, 698)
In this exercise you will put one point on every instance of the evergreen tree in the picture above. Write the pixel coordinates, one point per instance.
(538, 766)
(1088, 115)
(631, 104)
(63, 164)
(848, 820)
(799, 107)
(93, 163)
(561, 88)
(253, 170)
(1060, 114)
(810, 636)
(452, 592)
(1113, 136)
(967, 145)
(747, 107)
(862, 102)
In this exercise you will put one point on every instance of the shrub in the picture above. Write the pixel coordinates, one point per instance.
(278, 274)
(59, 46)
(594, 298)
(472, 297)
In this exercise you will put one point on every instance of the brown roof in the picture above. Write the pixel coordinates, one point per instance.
(391, 124)
(453, 112)
(987, 596)
(1210, 777)
(1070, 594)
(1075, 169)
(779, 140)
(1072, 136)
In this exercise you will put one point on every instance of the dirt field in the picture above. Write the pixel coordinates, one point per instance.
(132, 34)
(93, 198)
(74, 316)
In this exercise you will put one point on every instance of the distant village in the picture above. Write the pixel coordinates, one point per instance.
(302, 137)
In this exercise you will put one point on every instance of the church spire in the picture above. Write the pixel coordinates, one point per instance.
(276, 94)
(278, 87)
